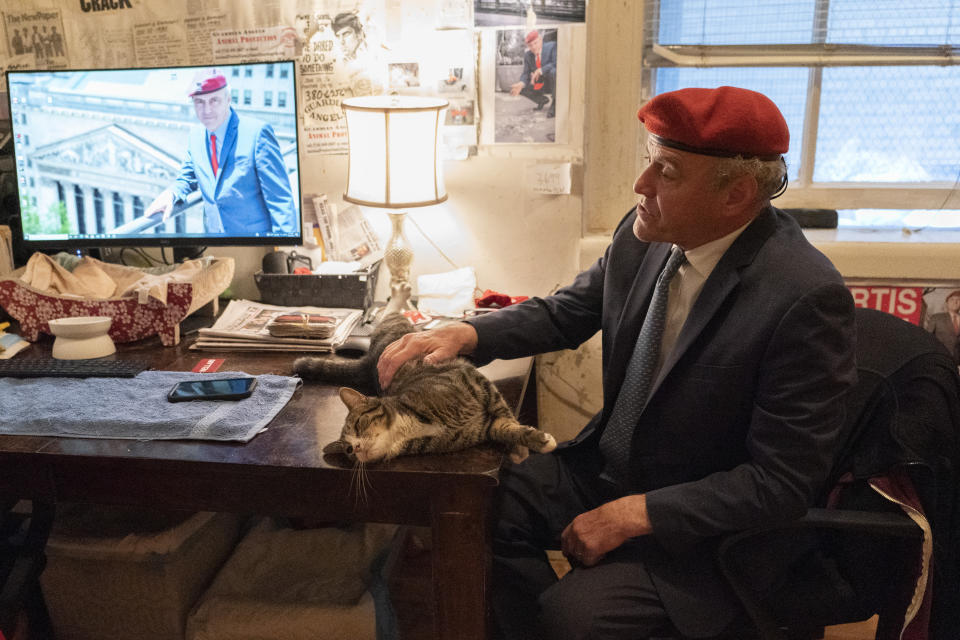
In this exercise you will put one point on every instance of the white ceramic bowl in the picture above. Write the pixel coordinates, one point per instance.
(80, 326)
(81, 337)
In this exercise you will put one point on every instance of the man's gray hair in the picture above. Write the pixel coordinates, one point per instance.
(769, 174)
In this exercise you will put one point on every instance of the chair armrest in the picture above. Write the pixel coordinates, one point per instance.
(876, 523)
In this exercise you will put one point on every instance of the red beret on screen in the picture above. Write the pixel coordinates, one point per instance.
(206, 81)
(531, 36)
(725, 122)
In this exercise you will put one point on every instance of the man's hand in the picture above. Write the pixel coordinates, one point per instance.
(535, 76)
(436, 345)
(593, 534)
(163, 203)
(516, 88)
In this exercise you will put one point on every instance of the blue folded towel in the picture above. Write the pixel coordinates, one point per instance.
(137, 408)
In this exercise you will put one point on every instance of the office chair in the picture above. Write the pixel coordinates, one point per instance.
(858, 554)
(24, 529)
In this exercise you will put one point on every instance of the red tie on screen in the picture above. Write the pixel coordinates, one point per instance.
(213, 154)
(538, 85)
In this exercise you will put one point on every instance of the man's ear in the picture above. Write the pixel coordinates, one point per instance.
(742, 192)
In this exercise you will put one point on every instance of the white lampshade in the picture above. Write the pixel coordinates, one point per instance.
(394, 151)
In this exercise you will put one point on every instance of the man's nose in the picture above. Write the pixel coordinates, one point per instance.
(644, 184)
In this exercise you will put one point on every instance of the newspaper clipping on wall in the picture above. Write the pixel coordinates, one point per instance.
(38, 34)
(342, 57)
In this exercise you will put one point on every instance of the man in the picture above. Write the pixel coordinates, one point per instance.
(349, 32)
(727, 420)
(946, 325)
(17, 43)
(539, 75)
(236, 163)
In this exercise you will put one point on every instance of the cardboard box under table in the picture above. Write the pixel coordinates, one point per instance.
(117, 574)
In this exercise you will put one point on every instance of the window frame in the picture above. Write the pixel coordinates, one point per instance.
(803, 191)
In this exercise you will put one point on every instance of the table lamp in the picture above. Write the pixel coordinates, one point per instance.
(394, 163)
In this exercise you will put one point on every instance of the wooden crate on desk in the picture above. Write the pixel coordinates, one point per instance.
(34, 308)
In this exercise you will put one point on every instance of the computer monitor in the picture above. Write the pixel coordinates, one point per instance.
(94, 148)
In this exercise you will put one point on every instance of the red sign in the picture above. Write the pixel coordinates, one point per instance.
(208, 365)
(903, 302)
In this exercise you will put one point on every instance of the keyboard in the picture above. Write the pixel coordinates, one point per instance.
(52, 367)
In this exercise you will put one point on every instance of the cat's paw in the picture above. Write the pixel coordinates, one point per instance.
(549, 443)
(519, 453)
(337, 446)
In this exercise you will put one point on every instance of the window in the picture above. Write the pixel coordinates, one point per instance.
(98, 210)
(117, 209)
(281, 99)
(248, 72)
(284, 72)
(868, 89)
(234, 96)
(268, 98)
(78, 202)
(269, 70)
(236, 72)
(247, 97)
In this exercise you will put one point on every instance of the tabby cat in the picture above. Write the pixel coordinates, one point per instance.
(427, 408)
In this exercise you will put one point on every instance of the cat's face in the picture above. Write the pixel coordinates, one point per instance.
(366, 435)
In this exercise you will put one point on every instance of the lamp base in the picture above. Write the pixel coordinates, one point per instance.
(398, 256)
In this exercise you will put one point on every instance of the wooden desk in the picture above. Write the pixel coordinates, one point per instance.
(282, 471)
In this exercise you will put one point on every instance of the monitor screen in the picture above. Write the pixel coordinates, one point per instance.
(157, 156)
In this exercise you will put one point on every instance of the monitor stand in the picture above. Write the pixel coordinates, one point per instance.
(186, 253)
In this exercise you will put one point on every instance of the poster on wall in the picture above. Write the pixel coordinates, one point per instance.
(454, 14)
(38, 34)
(933, 306)
(254, 44)
(342, 56)
(161, 42)
(525, 100)
(514, 13)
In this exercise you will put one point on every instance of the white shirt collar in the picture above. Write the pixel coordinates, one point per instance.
(704, 258)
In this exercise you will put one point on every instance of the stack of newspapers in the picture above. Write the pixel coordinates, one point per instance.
(253, 326)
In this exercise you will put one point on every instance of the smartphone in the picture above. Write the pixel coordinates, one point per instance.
(228, 389)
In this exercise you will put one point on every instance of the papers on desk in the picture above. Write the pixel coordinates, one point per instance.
(253, 326)
(11, 344)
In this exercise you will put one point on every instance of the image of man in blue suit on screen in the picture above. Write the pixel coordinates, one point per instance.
(236, 164)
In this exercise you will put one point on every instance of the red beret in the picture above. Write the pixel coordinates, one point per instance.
(206, 81)
(725, 122)
(531, 36)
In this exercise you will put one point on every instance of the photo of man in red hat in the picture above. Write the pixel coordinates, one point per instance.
(946, 324)
(235, 162)
(539, 76)
(728, 346)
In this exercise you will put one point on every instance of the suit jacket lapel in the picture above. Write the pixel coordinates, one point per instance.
(631, 318)
(722, 281)
(229, 144)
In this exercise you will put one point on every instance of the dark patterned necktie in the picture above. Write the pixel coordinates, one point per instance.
(617, 436)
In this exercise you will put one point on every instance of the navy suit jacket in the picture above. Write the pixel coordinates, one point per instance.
(746, 415)
(251, 191)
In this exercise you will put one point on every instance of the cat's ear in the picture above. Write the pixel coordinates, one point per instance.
(351, 397)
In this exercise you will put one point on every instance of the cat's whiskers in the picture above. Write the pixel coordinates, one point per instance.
(359, 483)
